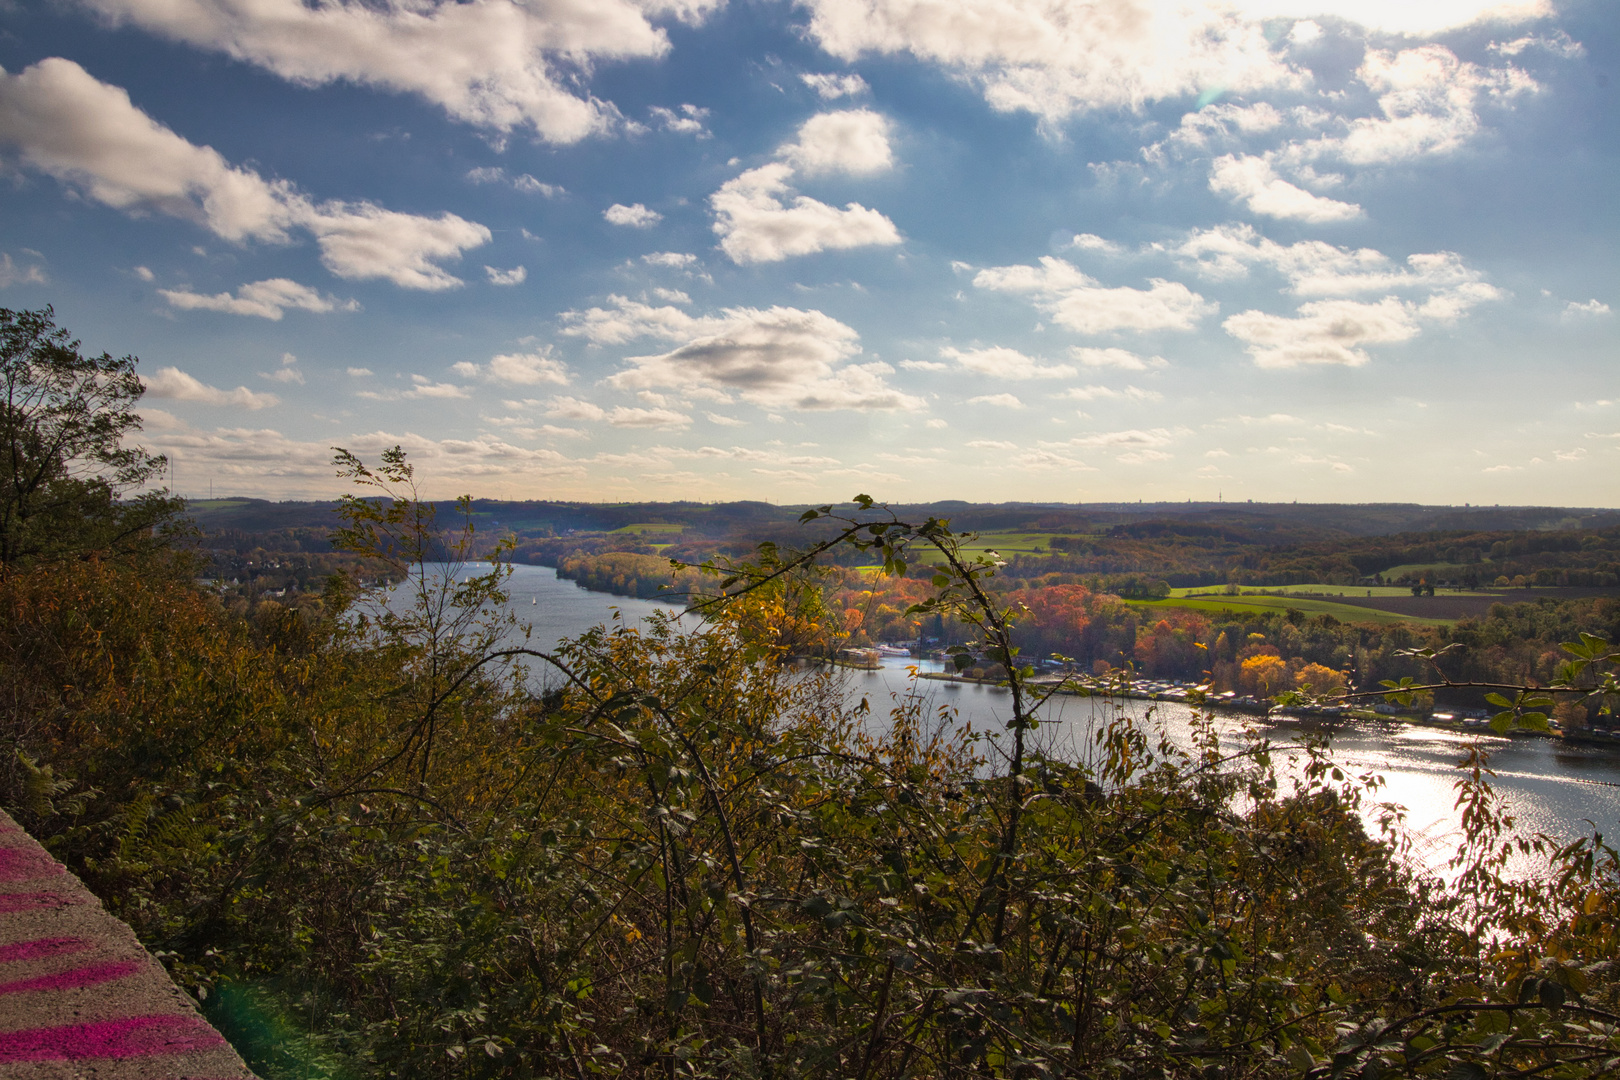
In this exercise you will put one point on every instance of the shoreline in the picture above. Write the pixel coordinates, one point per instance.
(1260, 708)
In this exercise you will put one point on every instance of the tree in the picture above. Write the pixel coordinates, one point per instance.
(65, 470)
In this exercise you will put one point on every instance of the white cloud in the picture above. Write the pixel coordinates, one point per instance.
(266, 299)
(87, 134)
(424, 387)
(854, 141)
(1591, 307)
(1324, 332)
(1005, 363)
(1560, 44)
(677, 260)
(686, 120)
(287, 373)
(499, 64)
(1057, 59)
(1134, 439)
(358, 372)
(924, 365)
(936, 423)
(528, 369)
(778, 357)
(634, 216)
(530, 186)
(518, 369)
(572, 408)
(494, 174)
(12, 274)
(1093, 242)
(992, 444)
(830, 87)
(1427, 102)
(1095, 392)
(1000, 401)
(624, 416)
(627, 320)
(1315, 268)
(756, 225)
(1074, 300)
(1251, 181)
(1115, 358)
(172, 383)
(724, 421)
(145, 274)
(363, 241)
(515, 276)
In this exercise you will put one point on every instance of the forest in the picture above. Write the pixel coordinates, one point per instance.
(370, 846)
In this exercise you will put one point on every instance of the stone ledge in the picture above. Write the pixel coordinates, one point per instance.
(79, 996)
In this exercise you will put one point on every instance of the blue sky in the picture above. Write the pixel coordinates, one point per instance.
(712, 249)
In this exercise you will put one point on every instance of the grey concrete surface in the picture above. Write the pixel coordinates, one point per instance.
(79, 996)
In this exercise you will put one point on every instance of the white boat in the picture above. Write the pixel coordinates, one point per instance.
(891, 650)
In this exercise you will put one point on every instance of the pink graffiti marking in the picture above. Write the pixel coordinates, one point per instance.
(134, 1036)
(14, 902)
(40, 947)
(19, 863)
(88, 975)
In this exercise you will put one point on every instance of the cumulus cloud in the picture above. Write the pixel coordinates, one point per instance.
(686, 120)
(831, 87)
(494, 174)
(1252, 181)
(1134, 439)
(634, 216)
(778, 357)
(854, 141)
(266, 299)
(571, 408)
(1323, 332)
(499, 64)
(12, 274)
(515, 276)
(176, 385)
(677, 260)
(424, 387)
(631, 417)
(88, 134)
(1000, 401)
(1079, 302)
(1123, 359)
(757, 224)
(1572, 310)
(1005, 363)
(1095, 393)
(1057, 59)
(528, 369)
(1315, 268)
(287, 373)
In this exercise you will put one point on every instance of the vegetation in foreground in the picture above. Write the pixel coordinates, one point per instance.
(370, 850)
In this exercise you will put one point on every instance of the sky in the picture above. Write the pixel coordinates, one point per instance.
(993, 250)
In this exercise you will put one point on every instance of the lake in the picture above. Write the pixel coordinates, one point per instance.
(1560, 790)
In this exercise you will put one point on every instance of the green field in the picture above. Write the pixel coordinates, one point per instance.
(1249, 603)
(654, 528)
(1010, 542)
(1324, 592)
